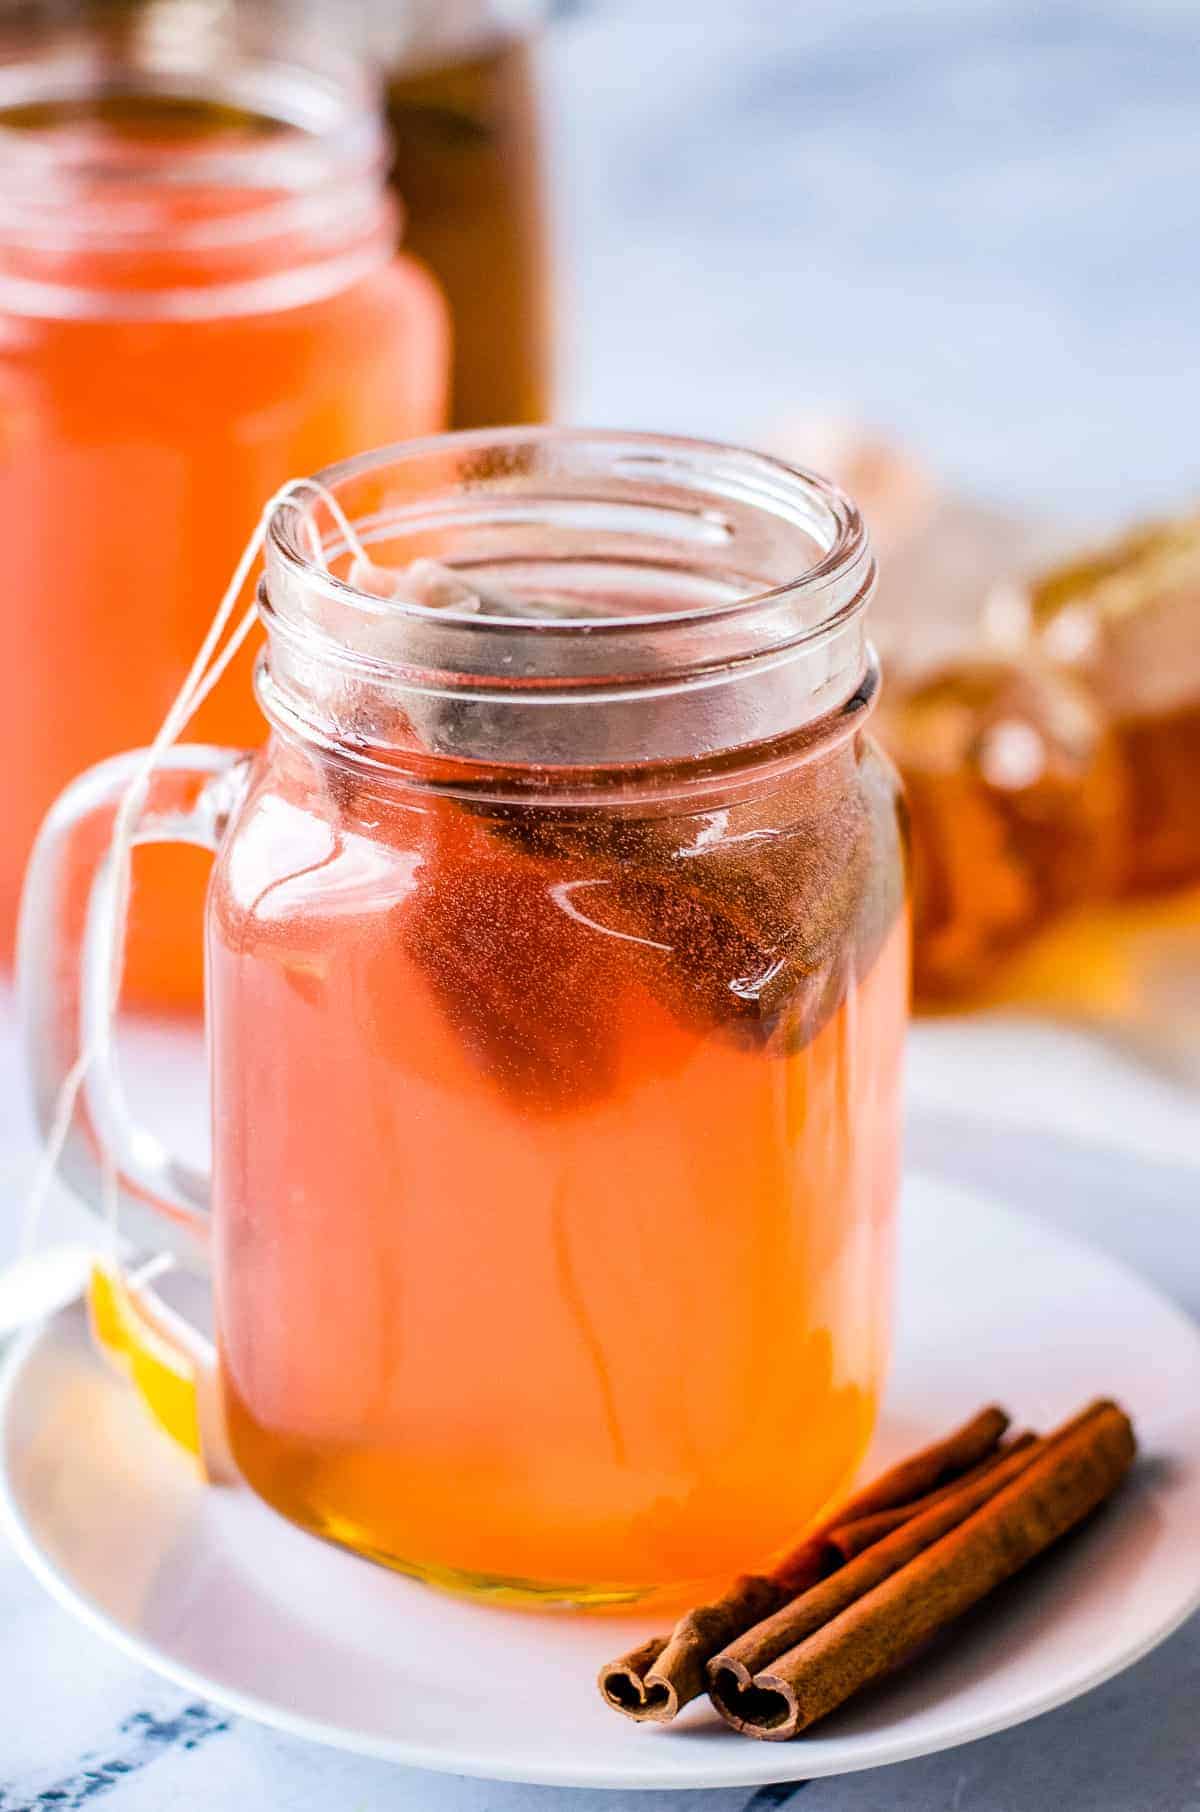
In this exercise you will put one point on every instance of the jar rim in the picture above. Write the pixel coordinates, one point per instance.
(748, 578)
(814, 502)
(295, 173)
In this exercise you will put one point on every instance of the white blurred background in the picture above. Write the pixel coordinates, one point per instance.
(976, 222)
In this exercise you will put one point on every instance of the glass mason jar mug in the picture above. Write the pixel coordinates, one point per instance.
(557, 975)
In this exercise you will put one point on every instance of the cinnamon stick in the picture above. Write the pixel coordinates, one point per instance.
(656, 1680)
(738, 1663)
(867, 1619)
(851, 1539)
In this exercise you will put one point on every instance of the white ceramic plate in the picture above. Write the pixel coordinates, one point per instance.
(218, 1593)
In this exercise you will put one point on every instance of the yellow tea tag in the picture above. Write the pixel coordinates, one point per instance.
(171, 1364)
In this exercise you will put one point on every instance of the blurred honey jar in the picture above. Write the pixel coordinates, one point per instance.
(1052, 777)
(1043, 707)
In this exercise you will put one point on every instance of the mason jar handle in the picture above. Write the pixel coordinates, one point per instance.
(63, 971)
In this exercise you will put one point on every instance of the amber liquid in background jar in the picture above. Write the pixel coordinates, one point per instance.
(468, 170)
(185, 323)
(464, 116)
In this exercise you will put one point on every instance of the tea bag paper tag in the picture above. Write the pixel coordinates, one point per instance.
(421, 582)
(436, 587)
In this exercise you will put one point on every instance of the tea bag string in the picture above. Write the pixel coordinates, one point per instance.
(219, 648)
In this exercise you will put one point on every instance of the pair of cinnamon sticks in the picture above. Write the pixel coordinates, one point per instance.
(897, 1564)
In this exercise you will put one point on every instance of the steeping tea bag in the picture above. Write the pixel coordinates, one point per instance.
(750, 921)
(757, 917)
(737, 930)
(529, 987)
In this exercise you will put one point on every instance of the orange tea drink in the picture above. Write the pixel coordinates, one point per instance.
(557, 1100)
(557, 983)
(560, 1263)
(198, 300)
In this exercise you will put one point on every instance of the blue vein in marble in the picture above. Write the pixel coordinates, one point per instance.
(145, 1738)
(766, 1799)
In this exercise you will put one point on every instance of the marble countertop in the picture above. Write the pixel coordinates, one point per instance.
(977, 221)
